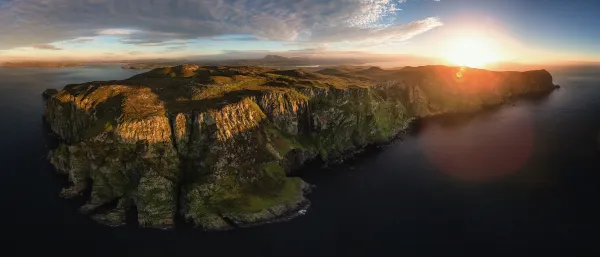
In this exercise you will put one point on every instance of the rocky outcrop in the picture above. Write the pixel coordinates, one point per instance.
(49, 93)
(214, 145)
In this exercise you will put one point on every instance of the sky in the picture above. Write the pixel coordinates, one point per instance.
(499, 30)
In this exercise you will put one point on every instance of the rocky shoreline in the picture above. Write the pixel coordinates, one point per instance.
(215, 145)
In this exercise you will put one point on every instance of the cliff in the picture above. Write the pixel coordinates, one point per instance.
(214, 145)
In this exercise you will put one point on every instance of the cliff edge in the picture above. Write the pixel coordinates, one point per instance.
(214, 145)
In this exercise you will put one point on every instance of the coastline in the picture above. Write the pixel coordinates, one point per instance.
(259, 117)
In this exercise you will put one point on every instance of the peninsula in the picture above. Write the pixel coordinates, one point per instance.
(215, 145)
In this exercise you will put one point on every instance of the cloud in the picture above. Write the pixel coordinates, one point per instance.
(151, 43)
(316, 49)
(236, 38)
(81, 40)
(156, 21)
(400, 32)
(113, 32)
(45, 47)
(176, 48)
(142, 38)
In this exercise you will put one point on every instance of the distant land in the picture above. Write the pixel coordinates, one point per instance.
(270, 60)
(292, 62)
(43, 64)
(267, 61)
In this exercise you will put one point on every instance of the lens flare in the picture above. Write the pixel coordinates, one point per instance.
(475, 149)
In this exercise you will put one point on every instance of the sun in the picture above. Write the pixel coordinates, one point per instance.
(471, 52)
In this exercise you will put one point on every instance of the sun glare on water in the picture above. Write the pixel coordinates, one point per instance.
(471, 52)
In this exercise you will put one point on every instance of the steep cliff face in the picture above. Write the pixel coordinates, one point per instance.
(118, 143)
(213, 145)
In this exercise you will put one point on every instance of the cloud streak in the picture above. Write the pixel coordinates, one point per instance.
(81, 40)
(155, 22)
(399, 32)
(45, 47)
(144, 38)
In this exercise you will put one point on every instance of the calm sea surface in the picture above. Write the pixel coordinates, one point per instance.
(522, 179)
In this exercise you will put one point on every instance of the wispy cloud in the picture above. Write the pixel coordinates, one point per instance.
(236, 38)
(152, 22)
(176, 48)
(81, 40)
(398, 32)
(150, 38)
(113, 32)
(46, 47)
(155, 43)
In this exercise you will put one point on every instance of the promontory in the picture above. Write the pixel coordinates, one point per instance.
(214, 145)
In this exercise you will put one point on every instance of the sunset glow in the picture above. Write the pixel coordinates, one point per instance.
(472, 52)
(388, 32)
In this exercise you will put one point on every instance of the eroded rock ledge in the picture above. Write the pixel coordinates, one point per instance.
(213, 145)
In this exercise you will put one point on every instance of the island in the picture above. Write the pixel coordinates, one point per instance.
(217, 146)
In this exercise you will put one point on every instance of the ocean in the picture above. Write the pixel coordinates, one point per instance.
(521, 179)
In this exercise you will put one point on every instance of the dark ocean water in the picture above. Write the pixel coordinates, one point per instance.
(519, 180)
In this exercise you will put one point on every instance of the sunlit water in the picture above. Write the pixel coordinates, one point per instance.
(516, 180)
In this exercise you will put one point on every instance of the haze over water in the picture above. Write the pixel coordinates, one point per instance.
(514, 180)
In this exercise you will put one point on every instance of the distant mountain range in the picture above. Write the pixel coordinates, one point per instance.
(241, 59)
(291, 62)
(279, 61)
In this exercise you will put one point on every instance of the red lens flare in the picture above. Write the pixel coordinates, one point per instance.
(481, 152)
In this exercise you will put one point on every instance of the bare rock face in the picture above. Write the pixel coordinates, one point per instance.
(213, 145)
(117, 141)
